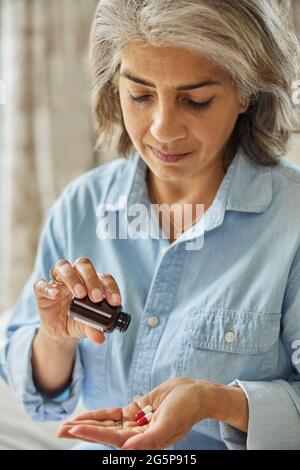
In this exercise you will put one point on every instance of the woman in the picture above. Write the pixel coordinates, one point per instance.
(201, 90)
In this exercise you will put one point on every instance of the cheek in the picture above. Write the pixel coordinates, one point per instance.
(135, 126)
(218, 125)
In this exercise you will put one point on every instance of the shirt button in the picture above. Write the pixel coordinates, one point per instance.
(153, 321)
(229, 336)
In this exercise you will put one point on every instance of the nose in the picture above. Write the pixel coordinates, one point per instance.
(167, 126)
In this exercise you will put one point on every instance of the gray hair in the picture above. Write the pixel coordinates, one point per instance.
(253, 40)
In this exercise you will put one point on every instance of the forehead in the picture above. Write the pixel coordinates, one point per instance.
(168, 63)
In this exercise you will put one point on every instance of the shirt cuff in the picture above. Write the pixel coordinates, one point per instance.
(274, 419)
(19, 377)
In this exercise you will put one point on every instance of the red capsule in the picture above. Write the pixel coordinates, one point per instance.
(143, 412)
(145, 419)
(139, 415)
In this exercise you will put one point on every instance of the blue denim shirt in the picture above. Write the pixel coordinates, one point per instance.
(228, 312)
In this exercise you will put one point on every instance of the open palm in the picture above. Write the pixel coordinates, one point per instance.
(175, 405)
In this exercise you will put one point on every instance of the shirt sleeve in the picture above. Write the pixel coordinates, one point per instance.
(15, 358)
(274, 407)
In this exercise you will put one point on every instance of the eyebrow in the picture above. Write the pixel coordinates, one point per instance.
(192, 86)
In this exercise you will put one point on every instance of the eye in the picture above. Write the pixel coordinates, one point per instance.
(198, 106)
(140, 99)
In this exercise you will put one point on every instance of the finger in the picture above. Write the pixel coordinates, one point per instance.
(80, 330)
(103, 435)
(64, 434)
(44, 291)
(106, 423)
(111, 289)
(93, 284)
(62, 288)
(64, 272)
(95, 336)
(133, 424)
(103, 414)
(141, 402)
(130, 410)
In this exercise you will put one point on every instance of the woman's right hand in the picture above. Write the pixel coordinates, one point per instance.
(54, 298)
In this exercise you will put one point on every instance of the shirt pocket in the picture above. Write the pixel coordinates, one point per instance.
(223, 345)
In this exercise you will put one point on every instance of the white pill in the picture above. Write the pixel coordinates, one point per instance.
(136, 399)
(147, 409)
(149, 416)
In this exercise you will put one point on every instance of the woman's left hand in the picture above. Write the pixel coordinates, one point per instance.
(177, 405)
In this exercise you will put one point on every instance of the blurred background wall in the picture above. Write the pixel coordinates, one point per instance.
(47, 136)
(46, 131)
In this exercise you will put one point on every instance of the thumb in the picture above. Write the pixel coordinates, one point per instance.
(80, 330)
(95, 336)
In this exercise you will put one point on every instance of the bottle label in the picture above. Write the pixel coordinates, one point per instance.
(85, 322)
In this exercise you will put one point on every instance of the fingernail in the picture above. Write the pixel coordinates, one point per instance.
(116, 298)
(79, 290)
(73, 430)
(97, 295)
(53, 292)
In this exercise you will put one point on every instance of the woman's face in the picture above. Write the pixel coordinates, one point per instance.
(178, 102)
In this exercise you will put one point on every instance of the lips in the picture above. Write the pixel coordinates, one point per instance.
(169, 157)
(169, 154)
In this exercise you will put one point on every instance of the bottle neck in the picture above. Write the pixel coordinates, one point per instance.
(123, 321)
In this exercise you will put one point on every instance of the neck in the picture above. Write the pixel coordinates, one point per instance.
(198, 189)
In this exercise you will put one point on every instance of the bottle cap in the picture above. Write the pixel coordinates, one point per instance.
(123, 321)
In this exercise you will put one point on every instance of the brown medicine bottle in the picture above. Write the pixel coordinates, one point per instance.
(99, 315)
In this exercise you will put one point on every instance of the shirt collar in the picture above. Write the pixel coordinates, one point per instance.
(251, 189)
(246, 187)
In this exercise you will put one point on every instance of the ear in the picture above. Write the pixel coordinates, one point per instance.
(244, 106)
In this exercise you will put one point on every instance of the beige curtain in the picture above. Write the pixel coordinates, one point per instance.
(47, 133)
(294, 149)
(296, 14)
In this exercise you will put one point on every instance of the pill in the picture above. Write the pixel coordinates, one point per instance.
(136, 399)
(143, 412)
(145, 419)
